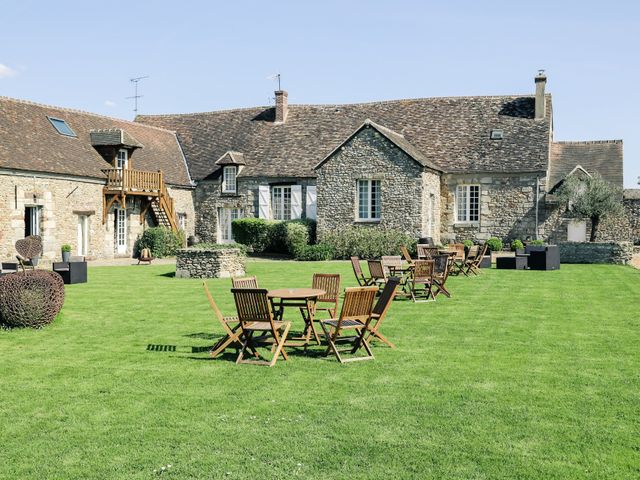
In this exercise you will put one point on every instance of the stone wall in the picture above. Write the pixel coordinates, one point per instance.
(405, 187)
(632, 208)
(183, 201)
(209, 198)
(219, 263)
(603, 252)
(507, 206)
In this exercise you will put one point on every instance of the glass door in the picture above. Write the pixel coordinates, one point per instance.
(225, 217)
(121, 230)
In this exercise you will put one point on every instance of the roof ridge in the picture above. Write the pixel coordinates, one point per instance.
(586, 142)
(77, 110)
(335, 105)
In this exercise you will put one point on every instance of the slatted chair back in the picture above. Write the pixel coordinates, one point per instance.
(246, 282)
(376, 270)
(391, 264)
(357, 304)
(357, 271)
(473, 265)
(458, 248)
(441, 264)
(252, 305)
(330, 283)
(473, 252)
(405, 254)
(423, 271)
(425, 252)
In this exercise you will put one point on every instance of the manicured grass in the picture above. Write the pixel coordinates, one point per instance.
(524, 375)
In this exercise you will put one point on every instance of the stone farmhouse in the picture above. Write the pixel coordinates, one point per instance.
(448, 168)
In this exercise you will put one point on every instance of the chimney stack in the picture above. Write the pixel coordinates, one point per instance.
(541, 83)
(281, 106)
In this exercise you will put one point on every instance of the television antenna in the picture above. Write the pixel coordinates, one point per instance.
(275, 76)
(135, 96)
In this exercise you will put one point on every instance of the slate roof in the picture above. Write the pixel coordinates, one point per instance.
(451, 133)
(394, 137)
(602, 156)
(29, 142)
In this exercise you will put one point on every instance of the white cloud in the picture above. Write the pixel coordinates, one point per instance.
(6, 72)
(109, 103)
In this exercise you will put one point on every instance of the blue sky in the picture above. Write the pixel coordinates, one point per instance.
(203, 56)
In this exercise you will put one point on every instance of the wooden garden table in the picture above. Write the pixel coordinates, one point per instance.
(302, 298)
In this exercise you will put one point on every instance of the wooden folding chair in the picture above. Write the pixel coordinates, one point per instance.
(442, 265)
(380, 311)
(473, 266)
(458, 259)
(394, 267)
(406, 256)
(377, 273)
(422, 277)
(245, 282)
(254, 315)
(425, 252)
(230, 325)
(330, 283)
(354, 316)
(357, 270)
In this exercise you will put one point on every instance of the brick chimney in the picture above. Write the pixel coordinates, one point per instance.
(281, 106)
(541, 82)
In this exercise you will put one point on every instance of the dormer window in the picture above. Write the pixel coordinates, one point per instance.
(229, 174)
(122, 159)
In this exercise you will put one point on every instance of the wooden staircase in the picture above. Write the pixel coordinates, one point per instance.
(150, 185)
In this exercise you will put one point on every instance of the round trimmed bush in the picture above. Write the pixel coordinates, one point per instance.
(30, 299)
(495, 244)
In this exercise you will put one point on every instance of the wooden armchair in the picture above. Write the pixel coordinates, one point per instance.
(255, 315)
(230, 325)
(357, 271)
(422, 282)
(355, 316)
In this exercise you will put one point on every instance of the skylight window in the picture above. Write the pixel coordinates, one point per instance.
(497, 135)
(62, 127)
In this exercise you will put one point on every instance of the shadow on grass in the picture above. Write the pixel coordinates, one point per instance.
(160, 348)
(168, 274)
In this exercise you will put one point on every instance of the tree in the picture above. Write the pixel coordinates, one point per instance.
(591, 197)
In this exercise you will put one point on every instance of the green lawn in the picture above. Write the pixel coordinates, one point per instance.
(519, 375)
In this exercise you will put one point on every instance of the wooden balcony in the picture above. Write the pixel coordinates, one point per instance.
(133, 182)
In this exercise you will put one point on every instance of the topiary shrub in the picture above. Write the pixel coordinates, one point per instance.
(517, 245)
(163, 242)
(314, 253)
(495, 244)
(536, 243)
(30, 299)
(368, 242)
(468, 243)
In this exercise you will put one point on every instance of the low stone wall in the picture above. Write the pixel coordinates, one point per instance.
(610, 252)
(220, 263)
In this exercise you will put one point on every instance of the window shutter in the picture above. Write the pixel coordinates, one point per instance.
(311, 202)
(263, 201)
(296, 201)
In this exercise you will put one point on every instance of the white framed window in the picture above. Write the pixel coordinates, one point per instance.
(281, 202)
(122, 159)
(229, 174)
(369, 202)
(467, 203)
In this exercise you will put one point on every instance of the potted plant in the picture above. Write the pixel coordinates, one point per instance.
(517, 246)
(495, 244)
(66, 252)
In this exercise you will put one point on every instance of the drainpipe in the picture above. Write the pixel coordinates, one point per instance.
(537, 203)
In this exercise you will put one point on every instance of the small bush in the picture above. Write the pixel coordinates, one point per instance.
(273, 236)
(314, 253)
(66, 247)
(368, 242)
(163, 242)
(219, 246)
(517, 245)
(252, 232)
(468, 243)
(537, 243)
(495, 244)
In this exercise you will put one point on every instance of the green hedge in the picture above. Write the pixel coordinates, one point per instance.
(162, 242)
(368, 242)
(273, 236)
(314, 253)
